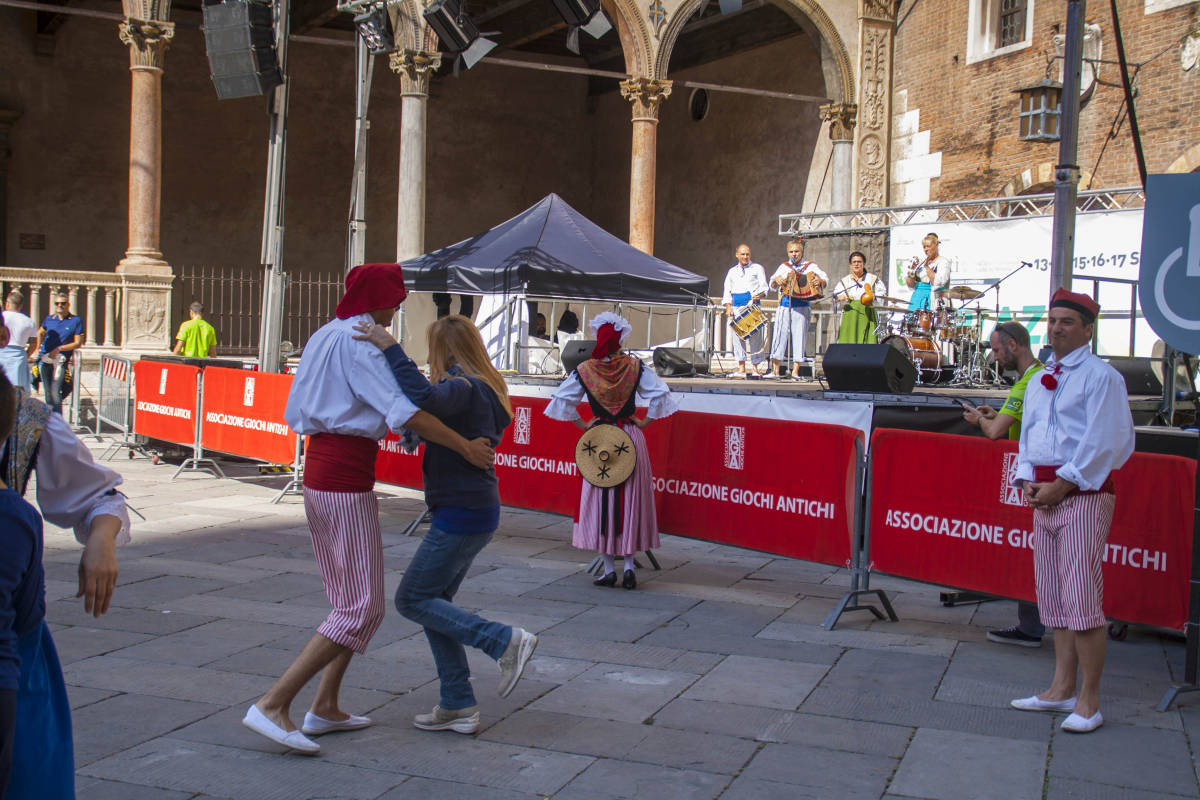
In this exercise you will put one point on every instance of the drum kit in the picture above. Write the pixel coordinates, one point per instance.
(938, 339)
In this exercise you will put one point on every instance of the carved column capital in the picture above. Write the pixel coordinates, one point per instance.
(415, 68)
(646, 94)
(841, 118)
(147, 41)
(877, 10)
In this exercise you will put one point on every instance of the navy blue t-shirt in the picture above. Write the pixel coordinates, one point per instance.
(60, 332)
(22, 581)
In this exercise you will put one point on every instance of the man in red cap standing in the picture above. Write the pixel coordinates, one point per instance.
(345, 400)
(1076, 430)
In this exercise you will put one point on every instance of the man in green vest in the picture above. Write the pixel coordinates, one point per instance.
(1010, 346)
(196, 338)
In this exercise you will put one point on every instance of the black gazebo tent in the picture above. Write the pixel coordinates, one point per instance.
(551, 250)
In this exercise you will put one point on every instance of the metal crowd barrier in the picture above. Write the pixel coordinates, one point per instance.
(114, 404)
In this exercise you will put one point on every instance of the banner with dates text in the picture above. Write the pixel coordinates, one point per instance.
(166, 401)
(243, 414)
(717, 478)
(957, 522)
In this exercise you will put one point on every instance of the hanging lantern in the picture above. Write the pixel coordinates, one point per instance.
(1040, 111)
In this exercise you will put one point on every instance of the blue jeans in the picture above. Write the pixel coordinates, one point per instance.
(429, 584)
(52, 384)
(1029, 621)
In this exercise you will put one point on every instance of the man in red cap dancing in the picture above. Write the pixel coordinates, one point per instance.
(1076, 430)
(345, 400)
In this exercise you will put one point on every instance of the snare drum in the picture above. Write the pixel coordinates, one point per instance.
(921, 352)
(747, 321)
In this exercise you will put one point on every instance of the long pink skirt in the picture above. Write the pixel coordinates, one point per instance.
(638, 530)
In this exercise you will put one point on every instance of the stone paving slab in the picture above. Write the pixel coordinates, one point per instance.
(753, 681)
(890, 639)
(945, 765)
(199, 684)
(78, 642)
(1127, 756)
(746, 722)
(96, 789)
(829, 773)
(616, 691)
(425, 788)
(205, 643)
(125, 720)
(621, 779)
(172, 763)
(569, 733)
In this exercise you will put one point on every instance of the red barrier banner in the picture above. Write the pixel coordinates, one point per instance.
(736, 480)
(243, 414)
(166, 401)
(942, 511)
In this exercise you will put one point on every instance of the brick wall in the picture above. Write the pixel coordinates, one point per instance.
(970, 110)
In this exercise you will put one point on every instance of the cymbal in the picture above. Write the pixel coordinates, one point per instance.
(963, 293)
(892, 309)
(886, 299)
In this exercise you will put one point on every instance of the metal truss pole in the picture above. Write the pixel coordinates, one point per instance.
(274, 279)
(1066, 172)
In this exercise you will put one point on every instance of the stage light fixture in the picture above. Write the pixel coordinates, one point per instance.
(457, 32)
(375, 27)
(582, 15)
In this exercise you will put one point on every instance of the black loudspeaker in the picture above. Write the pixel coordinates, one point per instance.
(576, 352)
(676, 361)
(876, 368)
(239, 36)
(1138, 374)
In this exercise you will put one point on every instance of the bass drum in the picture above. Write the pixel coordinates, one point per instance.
(921, 352)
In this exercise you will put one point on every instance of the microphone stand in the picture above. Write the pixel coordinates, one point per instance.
(995, 285)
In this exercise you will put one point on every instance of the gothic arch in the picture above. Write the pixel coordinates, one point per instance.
(1039, 178)
(813, 14)
(634, 36)
(1188, 162)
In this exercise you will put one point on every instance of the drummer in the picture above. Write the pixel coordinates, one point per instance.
(856, 294)
(791, 320)
(928, 278)
(746, 285)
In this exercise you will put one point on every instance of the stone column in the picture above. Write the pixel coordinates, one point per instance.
(415, 68)
(144, 320)
(646, 94)
(840, 117)
(876, 34)
(7, 118)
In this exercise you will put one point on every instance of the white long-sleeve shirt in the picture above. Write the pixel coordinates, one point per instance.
(739, 280)
(72, 489)
(345, 386)
(851, 288)
(652, 392)
(1084, 424)
(805, 267)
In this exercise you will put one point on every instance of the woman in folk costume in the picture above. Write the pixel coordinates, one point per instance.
(622, 520)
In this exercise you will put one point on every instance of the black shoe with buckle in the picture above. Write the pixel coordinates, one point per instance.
(1015, 636)
(630, 579)
(608, 580)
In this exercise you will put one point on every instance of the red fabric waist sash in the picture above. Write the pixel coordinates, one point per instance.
(334, 462)
(1046, 474)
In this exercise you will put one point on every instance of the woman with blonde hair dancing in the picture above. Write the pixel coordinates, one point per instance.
(467, 393)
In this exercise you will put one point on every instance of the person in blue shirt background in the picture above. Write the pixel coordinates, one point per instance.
(60, 335)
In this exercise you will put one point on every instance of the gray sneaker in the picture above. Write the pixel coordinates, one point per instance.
(460, 720)
(516, 656)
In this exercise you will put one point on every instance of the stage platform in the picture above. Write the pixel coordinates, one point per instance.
(929, 407)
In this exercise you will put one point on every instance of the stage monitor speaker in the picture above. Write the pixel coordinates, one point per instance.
(878, 368)
(239, 36)
(1139, 375)
(679, 361)
(576, 352)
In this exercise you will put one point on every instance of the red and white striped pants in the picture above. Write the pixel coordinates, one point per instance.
(349, 548)
(1068, 548)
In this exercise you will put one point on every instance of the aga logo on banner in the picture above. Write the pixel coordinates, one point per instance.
(735, 447)
(162, 381)
(522, 425)
(248, 393)
(1009, 494)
